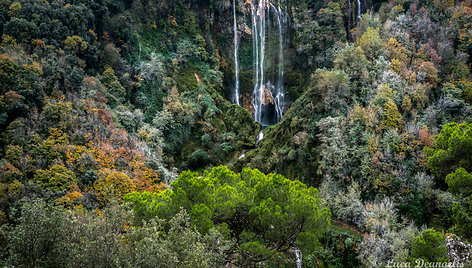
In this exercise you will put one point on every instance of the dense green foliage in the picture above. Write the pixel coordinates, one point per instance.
(452, 150)
(87, 239)
(430, 246)
(104, 103)
(450, 160)
(265, 216)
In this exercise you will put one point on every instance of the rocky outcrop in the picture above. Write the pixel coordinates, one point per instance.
(267, 97)
(457, 251)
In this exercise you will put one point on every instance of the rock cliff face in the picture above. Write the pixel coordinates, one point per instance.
(458, 252)
(267, 96)
(264, 27)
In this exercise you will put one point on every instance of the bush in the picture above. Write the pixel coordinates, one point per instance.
(430, 246)
(75, 44)
(333, 86)
(370, 42)
(460, 182)
(180, 245)
(116, 92)
(451, 150)
(89, 177)
(198, 158)
(57, 178)
(114, 186)
(89, 239)
(392, 119)
(43, 224)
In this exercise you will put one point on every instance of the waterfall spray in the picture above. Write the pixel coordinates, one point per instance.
(236, 61)
(264, 93)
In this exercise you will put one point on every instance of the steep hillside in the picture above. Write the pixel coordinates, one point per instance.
(233, 132)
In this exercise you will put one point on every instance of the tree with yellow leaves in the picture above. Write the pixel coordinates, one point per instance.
(370, 42)
(391, 117)
(56, 178)
(114, 186)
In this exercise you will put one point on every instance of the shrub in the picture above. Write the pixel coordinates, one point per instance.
(392, 119)
(57, 178)
(430, 246)
(114, 186)
(370, 42)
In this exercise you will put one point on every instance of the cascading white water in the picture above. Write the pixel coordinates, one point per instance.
(236, 60)
(279, 95)
(264, 92)
(255, 53)
(298, 255)
(358, 10)
(260, 136)
(260, 41)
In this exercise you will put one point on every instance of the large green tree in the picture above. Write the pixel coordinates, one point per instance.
(450, 160)
(264, 215)
(452, 150)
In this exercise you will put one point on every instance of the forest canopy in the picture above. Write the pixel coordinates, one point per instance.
(215, 133)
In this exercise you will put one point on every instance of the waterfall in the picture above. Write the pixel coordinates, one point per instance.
(279, 96)
(266, 93)
(298, 255)
(236, 61)
(358, 10)
(255, 52)
(260, 136)
(260, 34)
